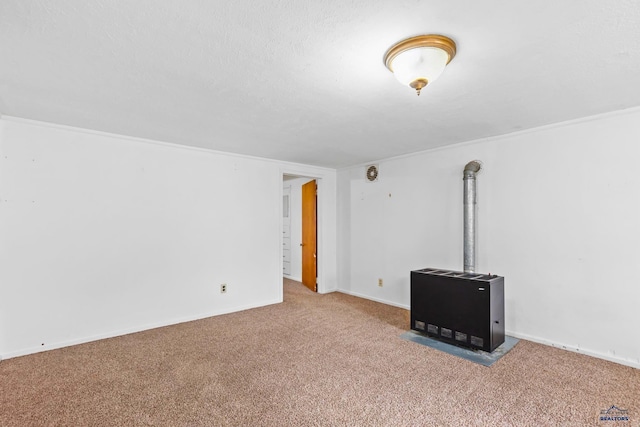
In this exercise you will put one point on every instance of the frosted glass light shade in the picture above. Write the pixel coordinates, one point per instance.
(420, 60)
(419, 63)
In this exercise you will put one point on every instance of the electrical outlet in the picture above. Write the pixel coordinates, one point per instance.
(223, 288)
(380, 282)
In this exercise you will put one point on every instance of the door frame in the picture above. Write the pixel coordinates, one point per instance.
(320, 203)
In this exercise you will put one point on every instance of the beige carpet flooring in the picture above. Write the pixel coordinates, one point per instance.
(314, 360)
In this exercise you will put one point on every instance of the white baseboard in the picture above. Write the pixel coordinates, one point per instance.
(356, 294)
(592, 353)
(112, 334)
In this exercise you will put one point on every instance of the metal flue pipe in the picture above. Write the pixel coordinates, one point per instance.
(469, 178)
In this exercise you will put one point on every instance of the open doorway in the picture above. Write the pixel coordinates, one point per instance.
(300, 230)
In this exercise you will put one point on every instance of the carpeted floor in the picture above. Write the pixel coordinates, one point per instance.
(314, 360)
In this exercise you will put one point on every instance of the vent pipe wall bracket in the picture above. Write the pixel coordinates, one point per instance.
(469, 178)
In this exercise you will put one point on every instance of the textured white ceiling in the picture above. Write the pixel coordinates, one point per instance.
(304, 81)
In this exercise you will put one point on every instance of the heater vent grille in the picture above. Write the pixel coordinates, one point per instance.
(479, 342)
(460, 336)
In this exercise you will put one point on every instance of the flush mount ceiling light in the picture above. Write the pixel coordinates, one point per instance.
(418, 61)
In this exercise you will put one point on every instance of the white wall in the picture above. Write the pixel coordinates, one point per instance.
(558, 216)
(102, 235)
